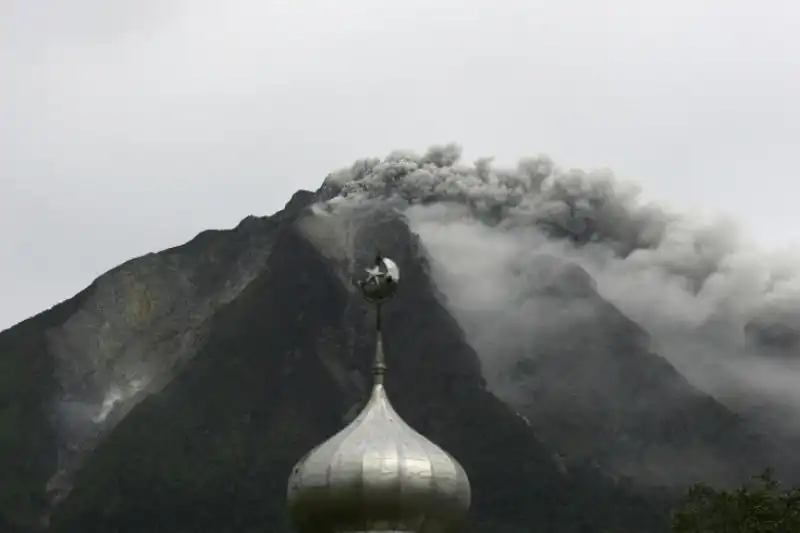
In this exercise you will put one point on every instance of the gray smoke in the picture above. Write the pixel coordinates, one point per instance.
(720, 310)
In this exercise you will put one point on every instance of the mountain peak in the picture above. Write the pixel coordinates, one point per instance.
(172, 394)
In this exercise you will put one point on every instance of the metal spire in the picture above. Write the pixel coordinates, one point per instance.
(379, 286)
(379, 363)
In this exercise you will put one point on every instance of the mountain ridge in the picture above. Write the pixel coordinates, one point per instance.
(430, 417)
(210, 448)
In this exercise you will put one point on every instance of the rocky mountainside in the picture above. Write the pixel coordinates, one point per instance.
(591, 387)
(69, 374)
(177, 391)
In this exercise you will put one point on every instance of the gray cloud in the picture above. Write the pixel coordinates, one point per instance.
(694, 284)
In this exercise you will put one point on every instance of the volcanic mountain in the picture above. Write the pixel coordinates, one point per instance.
(176, 392)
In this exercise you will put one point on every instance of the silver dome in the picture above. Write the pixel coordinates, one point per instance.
(378, 474)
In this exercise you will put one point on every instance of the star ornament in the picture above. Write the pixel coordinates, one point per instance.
(374, 275)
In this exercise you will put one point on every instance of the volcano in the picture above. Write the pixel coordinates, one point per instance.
(177, 391)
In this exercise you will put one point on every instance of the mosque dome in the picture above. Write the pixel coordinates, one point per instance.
(378, 474)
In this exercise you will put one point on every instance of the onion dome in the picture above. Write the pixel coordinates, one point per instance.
(378, 474)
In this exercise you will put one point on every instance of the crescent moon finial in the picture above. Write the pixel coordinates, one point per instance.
(381, 281)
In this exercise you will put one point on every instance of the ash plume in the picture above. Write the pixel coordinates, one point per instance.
(724, 313)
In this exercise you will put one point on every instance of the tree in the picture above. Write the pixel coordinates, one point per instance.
(761, 506)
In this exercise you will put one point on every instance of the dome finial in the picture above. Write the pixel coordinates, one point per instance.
(379, 286)
(381, 281)
(378, 475)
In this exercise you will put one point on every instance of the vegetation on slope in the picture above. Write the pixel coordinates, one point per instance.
(761, 506)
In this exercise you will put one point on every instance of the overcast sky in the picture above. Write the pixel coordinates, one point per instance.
(128, 126)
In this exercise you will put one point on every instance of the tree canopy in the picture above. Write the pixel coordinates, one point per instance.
(761, 506)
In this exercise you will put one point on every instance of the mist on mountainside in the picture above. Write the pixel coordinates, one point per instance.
(723, 312)
(524, 260)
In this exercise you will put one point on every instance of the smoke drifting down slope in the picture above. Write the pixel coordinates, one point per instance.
(717, 308)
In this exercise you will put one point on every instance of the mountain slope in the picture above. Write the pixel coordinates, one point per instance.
(68, 375)
(590, 385)
(28, 442)
(212, 450)
(190, 381)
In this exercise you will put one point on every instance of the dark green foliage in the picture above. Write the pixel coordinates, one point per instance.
(27, 441)
(213, 450)
(761, 506)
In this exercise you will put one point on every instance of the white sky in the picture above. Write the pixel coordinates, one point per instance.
(128, 126)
